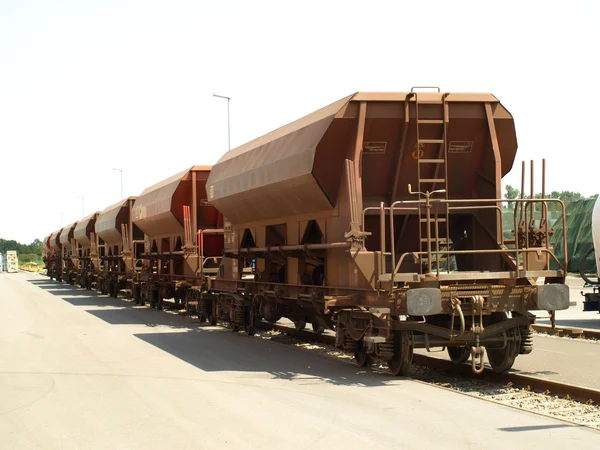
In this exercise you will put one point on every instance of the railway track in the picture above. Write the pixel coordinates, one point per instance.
(572, 404)
(569, 403)
(567, 332)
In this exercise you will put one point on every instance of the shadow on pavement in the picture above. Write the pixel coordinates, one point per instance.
(128, 313)
(215, 349)
(536, 427)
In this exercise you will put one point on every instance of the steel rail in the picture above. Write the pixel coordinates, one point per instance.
(534, 384)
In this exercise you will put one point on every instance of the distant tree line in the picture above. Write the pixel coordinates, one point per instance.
(566, 196)
(35, 248)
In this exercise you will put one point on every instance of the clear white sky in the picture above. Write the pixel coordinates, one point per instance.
(87, 86)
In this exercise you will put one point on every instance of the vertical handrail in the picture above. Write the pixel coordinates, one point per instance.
(392, 237)
(382, 238)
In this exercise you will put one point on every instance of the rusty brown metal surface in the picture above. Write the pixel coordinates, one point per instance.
(109, 221)
(273, 174)
(46, 244)
(83, 229)
(297, 169)
(54, 241)
(158, 211)
(67, 234)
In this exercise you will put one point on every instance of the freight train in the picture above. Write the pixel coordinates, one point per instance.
(378, 216)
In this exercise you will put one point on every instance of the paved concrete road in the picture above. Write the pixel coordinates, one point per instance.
(84, 371)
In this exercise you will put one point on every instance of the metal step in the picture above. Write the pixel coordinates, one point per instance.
(431, 161)
(438, 220)
(431, 141)
(430, 121)
(432, 180)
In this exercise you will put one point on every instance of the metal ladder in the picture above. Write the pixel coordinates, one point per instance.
(430, 239)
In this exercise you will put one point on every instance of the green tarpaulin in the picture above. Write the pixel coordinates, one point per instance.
(579, 235)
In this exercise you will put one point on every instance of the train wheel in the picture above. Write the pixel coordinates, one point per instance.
(213, 313)
(502, 359)
(249, 327)
(401, 361)
(201, 311)
(317, 327)
(459, 355)
(363, 359)
(299, 325)
(232, 323)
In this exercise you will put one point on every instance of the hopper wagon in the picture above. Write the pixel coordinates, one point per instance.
(120, 244)
(47, 253)
(87, 250)
(183, 241)
(70, 262)
(380, 216)
(55, 256)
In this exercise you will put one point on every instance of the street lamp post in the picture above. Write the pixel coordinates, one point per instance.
(82, 206)
(121, 170)
(228, 126)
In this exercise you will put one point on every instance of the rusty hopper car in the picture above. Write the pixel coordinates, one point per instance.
(87, 250)
(120, 243)
(47, 253)
(70, 262)
(379, 216)
(55, 256)
(183, 241)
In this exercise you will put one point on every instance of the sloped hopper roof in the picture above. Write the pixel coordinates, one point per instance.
(66, 234)
(275, 169)
(297, 169)
(83, 229)
(158, 211)
(46, 243)
(54, 240)
(152, 209)
(108, 223)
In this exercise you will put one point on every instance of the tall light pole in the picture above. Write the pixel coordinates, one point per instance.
(82, 206)
(228, 127)
(121, 170)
